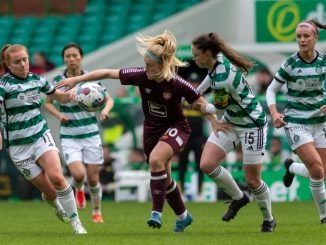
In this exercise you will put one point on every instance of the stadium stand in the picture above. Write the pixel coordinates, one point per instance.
(101, 22)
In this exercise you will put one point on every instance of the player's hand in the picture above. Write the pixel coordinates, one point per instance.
(68, 83)
(278, 120)
(221, 126)
(72, 95)
(63, 118)
(323, 109)
(104, 115)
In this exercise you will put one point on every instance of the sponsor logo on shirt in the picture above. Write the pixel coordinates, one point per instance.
(167, 95)
(29, 97)
(157, 109)
(179, 140)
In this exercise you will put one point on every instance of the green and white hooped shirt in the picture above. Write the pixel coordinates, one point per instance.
(306, 91)
(20, 102)
(232, 93)
(82, 124)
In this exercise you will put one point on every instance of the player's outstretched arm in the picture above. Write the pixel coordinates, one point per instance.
(205, 108)
(90, 76)
(107, 108)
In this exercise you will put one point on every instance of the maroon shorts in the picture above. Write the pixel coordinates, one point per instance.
(176, 136)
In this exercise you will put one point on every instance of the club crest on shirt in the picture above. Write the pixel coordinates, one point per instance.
(167, 95)
(319, 69)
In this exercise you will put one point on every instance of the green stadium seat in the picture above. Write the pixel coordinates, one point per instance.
(95, 7)
(121, 10)
(7, 21)
(4, 35)
(184, 4)
(158, 16)
(23, 30)
(56, 59)
(135, 22)
(108, 37)
(6, 27)
(65, 34)
(41, 43)
(72, 21)
(88, 47)
(93, 20)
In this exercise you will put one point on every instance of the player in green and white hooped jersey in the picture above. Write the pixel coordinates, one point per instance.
(80, 139)
(242, 111)
(304, 117)
(26, 134)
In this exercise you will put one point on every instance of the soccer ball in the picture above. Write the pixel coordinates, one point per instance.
(90, 96)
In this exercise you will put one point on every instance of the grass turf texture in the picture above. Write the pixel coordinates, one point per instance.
(125, 223)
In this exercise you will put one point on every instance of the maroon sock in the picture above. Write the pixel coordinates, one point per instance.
(158, 185)
(174, 199)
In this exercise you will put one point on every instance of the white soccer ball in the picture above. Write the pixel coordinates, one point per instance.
(90, 96)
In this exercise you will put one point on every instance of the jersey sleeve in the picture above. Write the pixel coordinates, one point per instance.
(46, 87)
(282, 75)
(131, 76)
(204, 85)
(188, 91)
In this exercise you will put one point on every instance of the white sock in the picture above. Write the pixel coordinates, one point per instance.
(78, 185)
(67, 200)
(263, 199)
(55, 203)
(225, 181)
(299, 169)
(96, 198)
(157, 213)
(183, 215)
(317, 188)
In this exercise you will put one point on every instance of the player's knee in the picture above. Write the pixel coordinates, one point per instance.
(58, 181)
(207, 166)
(79, 177)
(316, 171)
(254, 183)
(155, 163)
(93, 180)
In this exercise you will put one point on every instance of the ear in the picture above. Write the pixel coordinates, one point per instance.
(208, 54)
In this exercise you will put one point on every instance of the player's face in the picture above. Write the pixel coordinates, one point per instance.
(306, 39)
(201, 58)
(72, 58)
(152, 68)
(18, 63)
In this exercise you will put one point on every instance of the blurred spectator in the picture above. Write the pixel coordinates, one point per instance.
(3, 68)
(263, 78)
(40, 63)
(2, 71)
(136, 159)
(107, 173)
(196, 140)
(121, 92)
(277, 154)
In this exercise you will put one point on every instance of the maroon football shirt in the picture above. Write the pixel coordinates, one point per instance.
(161, 102)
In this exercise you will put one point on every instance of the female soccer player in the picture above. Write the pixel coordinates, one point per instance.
(26, 134)
(304, 118)
(241, 109)
(165, 128)
(80, 138)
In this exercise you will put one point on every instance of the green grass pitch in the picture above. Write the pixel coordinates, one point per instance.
(125, 223)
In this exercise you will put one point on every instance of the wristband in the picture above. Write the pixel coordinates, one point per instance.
(210, 108)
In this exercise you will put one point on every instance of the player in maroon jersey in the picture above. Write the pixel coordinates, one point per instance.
(166, 129)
